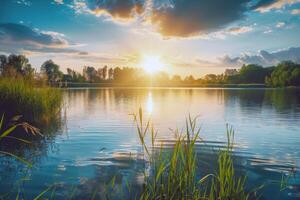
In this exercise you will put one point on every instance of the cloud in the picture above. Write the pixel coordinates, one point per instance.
(268, 5)
(60, 2)
(20, 39)
(268, 31)
(16, 38)
(194, 17)
(180, 18)
(295, 12)
(118, 10)
(197, 62)
(280, 24)
(263, 58)
(239, 30)
(18, 33)
(23, 2)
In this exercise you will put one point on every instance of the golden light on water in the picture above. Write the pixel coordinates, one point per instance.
(149, 103)
(152, 63)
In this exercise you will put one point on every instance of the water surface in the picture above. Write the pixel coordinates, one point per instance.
(98, 138)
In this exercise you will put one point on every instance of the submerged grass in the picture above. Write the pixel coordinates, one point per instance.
(175, 176)
(19, 96)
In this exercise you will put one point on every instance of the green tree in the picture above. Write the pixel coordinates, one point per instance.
(52, 71)
(15, 66)
(252, 74)
(286, 73)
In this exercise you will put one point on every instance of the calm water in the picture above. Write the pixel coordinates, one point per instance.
(96, 139)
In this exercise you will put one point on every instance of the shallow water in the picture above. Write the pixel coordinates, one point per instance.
(98, 140)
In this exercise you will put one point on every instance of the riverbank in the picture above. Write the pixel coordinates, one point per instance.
(138, 85)
(21, 97)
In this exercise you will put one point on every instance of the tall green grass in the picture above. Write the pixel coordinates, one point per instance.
(20, 97)
(175, 176)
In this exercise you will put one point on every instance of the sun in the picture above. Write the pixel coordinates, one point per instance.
(152, 63)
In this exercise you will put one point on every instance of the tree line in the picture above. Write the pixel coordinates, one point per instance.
(284, 74)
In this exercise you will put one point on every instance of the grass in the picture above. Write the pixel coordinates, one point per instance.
(19, 97)
(174, 176)
(169, 174)
(7, 130)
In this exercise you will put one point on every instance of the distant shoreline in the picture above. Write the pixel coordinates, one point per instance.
(137, 85)
(110, 85)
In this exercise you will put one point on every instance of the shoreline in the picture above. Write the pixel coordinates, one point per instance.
(122, 85)
(211, 86)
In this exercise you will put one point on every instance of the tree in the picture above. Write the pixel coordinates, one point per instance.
(52, 71)
(286, 73)
(176, 78)
(15, 66)
(210, 78)
(189, 79)
(126, 74)
(90, 73)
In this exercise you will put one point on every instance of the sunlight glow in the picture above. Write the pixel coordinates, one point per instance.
(152, 64)
(149, 103)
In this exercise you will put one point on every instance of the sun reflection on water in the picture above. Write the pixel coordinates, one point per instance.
(149, 103)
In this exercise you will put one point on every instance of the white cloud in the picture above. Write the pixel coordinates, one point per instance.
(59, 2)
(263, 58)
(268, 31)
(280, 24)
(276, 5)
(23, 2)
(239, 30)
(295, 12)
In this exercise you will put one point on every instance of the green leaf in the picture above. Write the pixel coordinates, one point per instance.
(42, 193)
(8, 131)
(18, 158)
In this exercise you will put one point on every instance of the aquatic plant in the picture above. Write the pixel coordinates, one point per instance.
(19, 97)
(175, 176)
(7, 130)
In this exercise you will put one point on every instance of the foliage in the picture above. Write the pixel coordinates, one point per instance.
(19, 96)
(174, 177)
(15, 66)
(51, 70)
(73, 76)
(251, 74)
(126, 74)
(285, 74)
(6, 129)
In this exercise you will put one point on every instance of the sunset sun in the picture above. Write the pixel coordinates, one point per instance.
(152, 63)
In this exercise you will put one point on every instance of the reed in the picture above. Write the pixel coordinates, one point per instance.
(20, 97)
(175, 176)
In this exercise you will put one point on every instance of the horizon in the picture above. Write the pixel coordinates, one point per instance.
(171, 36)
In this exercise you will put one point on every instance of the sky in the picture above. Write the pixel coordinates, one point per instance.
(188, 36)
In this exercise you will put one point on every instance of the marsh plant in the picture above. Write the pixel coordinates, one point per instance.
(21, 97)
(175, 176)
(7, 128)
(169, 173)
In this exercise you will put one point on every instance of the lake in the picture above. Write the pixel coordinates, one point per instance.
(96, 139)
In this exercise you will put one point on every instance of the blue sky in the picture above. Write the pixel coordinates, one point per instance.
(189, 36)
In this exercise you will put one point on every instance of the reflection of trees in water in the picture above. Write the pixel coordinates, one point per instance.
(253, 100)
(284, 100)
(245, 97)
